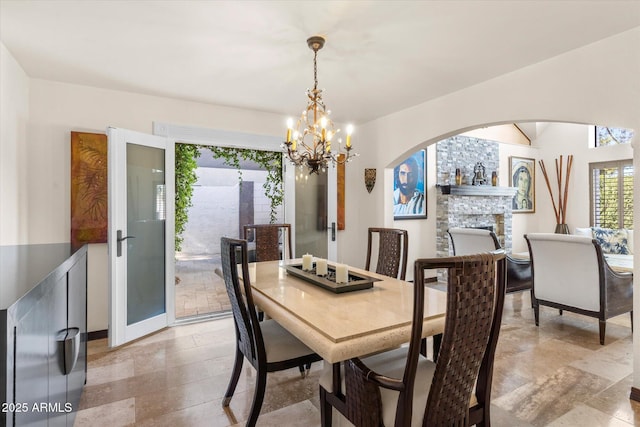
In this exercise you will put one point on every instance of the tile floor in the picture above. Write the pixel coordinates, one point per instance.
(555, 375)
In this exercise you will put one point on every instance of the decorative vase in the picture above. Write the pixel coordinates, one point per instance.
(562, 229)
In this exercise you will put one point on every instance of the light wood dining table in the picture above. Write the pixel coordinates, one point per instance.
(346, 325)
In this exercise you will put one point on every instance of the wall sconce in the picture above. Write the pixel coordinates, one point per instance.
(369, 179)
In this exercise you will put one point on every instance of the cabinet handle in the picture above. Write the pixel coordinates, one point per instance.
(68, 349)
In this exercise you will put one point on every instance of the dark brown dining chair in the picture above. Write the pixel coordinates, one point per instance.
(266, 345)
(271, 240)
(393, 244)
(395, 387)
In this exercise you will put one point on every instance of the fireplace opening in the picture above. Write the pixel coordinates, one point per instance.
(484, 227)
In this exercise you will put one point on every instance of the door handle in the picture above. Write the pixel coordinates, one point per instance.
(120, 239)
(333, 231)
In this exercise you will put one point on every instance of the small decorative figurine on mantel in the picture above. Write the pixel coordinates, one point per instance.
(479, 176)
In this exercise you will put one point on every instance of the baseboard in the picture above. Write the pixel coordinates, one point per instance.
(97, 335)
(635, 394)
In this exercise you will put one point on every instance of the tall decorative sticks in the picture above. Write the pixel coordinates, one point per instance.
(559, 209)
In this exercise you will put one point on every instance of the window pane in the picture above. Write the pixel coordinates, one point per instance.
(606, 197)
(610, 136)
(612, 194)
(627, 220)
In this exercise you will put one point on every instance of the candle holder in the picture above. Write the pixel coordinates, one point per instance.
(355, 281)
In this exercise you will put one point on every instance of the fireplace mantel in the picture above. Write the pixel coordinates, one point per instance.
(477, 190)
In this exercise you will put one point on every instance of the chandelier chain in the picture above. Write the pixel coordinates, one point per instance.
(315, 69)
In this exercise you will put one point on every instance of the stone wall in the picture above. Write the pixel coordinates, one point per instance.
(479, 210)
(464, 152)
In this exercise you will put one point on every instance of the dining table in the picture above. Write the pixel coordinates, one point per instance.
(340, 326)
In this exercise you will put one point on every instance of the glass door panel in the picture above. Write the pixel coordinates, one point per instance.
(311, 220)
(146, 224)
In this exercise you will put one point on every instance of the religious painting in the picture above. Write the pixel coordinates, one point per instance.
(409, 182)
(522, 176)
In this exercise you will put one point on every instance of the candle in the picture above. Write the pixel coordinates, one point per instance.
(321, 267)
(349, 132)
(342, 273)
(306, 262)
(289, 126)
(323, 123)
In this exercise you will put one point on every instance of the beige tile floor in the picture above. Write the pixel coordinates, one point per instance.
(555, 375)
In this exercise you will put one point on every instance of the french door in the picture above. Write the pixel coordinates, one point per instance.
(141, 229)
(311, 206)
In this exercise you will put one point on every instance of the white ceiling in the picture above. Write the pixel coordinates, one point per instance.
(380, 56)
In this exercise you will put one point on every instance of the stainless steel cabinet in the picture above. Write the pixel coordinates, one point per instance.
(43, 317)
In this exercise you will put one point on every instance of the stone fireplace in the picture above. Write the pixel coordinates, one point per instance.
(474, 207)
(471, 206)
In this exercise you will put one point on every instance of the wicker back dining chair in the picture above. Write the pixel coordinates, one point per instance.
(272, 241)
(401, 388)
(266, 345)
(393, 244)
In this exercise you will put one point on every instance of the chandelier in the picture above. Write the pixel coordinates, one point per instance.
(313, 142)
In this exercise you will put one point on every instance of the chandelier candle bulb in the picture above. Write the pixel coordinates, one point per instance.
(307, 261)
(321, 267)
(342, 273)
(349, 132)
(289, 128)
(324, 128)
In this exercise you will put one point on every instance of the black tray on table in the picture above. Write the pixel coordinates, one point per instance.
(355, 281)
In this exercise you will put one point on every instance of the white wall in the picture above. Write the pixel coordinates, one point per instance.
(14, 113)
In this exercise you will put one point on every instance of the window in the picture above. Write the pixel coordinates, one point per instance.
(612, 194)
(611, 136)
(160, 202)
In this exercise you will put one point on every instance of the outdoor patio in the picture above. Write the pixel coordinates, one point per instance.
(199, 290)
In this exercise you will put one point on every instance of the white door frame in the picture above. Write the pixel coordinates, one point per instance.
(119, 331)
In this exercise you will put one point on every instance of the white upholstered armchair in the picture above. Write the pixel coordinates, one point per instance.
(570, 273)
(467, 241)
